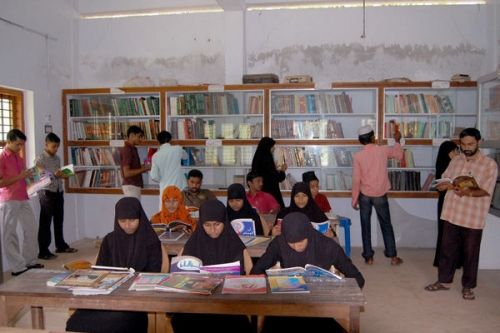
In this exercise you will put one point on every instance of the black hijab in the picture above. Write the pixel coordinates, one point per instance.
(263, 159)
(296, 226)
(237, 191)
(311, 210)
(226, 248)
(443, 157)
(123, 250)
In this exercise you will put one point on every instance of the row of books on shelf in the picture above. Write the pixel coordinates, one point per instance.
(313, 157)
(214, 103)
(407, 161)
(112, 130)
(189, 275)
(418, 103)
(210, 129)
(215, 156)
(107, 178)
(306, 129)
(100, 106)
(493, 130)
(419, 129)
(91, 156)
(321, 103)
(405, 180)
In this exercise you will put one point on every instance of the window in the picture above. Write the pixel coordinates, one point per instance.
(11, 112)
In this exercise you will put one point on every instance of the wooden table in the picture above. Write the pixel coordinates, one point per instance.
(342, 300)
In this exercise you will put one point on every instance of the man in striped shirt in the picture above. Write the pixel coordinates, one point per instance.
(464, 213)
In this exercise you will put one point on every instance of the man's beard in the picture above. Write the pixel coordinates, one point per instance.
(470, 153)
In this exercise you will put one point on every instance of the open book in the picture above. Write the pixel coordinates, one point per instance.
(308, 271)
(171, 236)
(462, 182)
(147, 281)
(39, 180)
(68, 170)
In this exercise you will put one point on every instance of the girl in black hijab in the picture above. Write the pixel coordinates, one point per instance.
(214, 242)
(447, 151)
(132, 244)
(301, 200)
(238, 207)
(263, 164)
(299, 244)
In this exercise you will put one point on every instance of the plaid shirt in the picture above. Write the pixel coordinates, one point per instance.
(470, 212)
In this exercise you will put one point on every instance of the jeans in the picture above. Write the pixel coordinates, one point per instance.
(381, 205)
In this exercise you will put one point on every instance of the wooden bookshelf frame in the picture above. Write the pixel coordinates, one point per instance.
(163, 92)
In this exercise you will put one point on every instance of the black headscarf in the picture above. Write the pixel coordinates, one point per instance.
(320, 251)
(312, 211)
(226, 248)
(237, 191)
(263, 159)
(138, 250)
(309, 176)
(443, 157)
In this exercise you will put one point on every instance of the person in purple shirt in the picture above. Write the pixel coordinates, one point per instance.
(15, 208)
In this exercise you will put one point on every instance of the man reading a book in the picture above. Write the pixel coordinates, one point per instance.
(464, 213)
(194, 195)
(51, 201)
(15, 207)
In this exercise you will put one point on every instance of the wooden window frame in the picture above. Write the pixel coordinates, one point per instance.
(18, 108)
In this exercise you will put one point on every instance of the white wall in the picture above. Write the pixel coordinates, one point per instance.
(41, 67)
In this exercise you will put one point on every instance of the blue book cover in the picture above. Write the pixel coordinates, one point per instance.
(244, 227)
(321, 226)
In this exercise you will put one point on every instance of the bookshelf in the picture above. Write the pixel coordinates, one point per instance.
(220, 127)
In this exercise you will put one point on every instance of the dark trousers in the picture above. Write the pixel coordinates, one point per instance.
(459, 242)
(51, 207)
(440, 233)
(381, 205)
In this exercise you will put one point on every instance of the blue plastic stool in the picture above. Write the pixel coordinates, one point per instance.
(345, 223)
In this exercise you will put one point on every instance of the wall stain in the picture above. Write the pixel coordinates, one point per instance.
(324, 54)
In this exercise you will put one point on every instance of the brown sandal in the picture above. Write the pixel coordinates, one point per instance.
(468, 294)
(436, 286)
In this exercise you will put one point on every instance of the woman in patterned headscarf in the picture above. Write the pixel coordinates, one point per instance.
(173, 208)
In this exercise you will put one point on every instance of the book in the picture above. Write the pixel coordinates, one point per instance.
(38, 180)
(68, 170)
(177, 225)
(82, 278)
(109, 283)
(250, 284)
(309, 271)
(189, 264)
(54, 280)
(189, 283)
(147, 281)
(321, 226)
(461, 182)
(287, 284)
(244, 227)
(171, 236)
(230, 268)
(251, 241)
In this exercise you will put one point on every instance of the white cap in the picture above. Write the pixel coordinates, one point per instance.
(365, 130)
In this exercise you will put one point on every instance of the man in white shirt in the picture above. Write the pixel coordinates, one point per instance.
(166, 164)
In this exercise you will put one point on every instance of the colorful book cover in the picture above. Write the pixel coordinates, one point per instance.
(106, 285)
(39, 180)
(287, 284)
(68, 170)
(83, 278)
(189, 283)
(54, 280)
(249, 284)
(147, 281)
(231, 268)
(244, 227)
